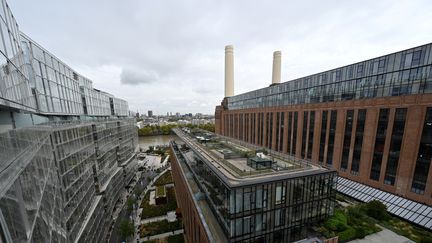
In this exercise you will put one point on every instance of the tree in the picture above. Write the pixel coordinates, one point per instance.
(130, 202)
(126, 229)
(138, 191)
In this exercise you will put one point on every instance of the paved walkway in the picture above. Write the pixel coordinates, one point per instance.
(160, 236)
(383, 236)
(160, 218)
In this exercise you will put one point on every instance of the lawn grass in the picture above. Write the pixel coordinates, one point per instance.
(408, 230)
(160, 191)
(150, 211)
(164, 179)
(159, 227)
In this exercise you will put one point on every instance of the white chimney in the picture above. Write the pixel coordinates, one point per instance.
(229, 71)
(276, 75)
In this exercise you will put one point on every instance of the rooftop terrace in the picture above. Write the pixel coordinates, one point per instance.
(228, 158)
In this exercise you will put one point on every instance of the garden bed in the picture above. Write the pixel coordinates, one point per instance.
(159, 227)
(349, 224)
(160, 191)
(150, 211)
(362, 219)
(164, 179)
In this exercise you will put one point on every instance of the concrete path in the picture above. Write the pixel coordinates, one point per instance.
(152, 198)
(160, 236)
(383, 236)
(168, 217)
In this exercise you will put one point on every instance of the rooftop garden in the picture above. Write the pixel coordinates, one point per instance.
(360, 220)
(150, 211)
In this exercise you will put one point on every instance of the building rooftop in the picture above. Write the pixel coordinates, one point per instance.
(233, 167)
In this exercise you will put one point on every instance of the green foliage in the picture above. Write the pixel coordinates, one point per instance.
(176, 239)
(360, 220)
(156, 130)
(164, 179)
(151, 130)
(349, 224)
(129, 203)
(160, 191)
(377, 210)
(406, 229)
(138, 191)
(348, 234)
(426, 239)
(150, 211)
(338, 222)
(208, 127)
(126, 229)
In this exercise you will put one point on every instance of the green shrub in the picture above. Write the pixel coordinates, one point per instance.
(150, 211)
(348, 234)
(426, 239)
(338, 222)
(159, 227)
(164, 179)
(377, 210)
(176, 239)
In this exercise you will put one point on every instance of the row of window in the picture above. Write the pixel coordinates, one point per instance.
(259, 128)
(405, 72)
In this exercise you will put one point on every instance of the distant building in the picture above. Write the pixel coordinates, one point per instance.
(149, 113)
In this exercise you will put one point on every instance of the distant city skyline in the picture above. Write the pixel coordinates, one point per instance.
(168, 56)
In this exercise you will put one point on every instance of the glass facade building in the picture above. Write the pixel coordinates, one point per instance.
(55, 177)
(67, 150)
(275, 206)
(369, 120)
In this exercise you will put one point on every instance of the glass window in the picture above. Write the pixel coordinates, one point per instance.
(289, 133)
(358, 143)
(424, 156)
(379, 144)
(295, 133)
(311, 134)
(395, 146)
(332, 133)
(347, 139)
(416, 58)
(304, 134)
(323, 136)
(280, 194)
(239, 200)
(408, 59)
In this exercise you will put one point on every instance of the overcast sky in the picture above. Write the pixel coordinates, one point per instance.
(168, 55)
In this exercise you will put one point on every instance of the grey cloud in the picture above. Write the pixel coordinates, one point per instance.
(178, 46)
(136, 77)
